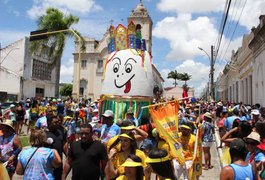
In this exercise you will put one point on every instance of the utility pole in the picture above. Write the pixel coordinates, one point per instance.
(212, 74)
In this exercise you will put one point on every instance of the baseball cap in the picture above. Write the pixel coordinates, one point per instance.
(12, 105)
(108, 113)
(238, 144)
(255, 112)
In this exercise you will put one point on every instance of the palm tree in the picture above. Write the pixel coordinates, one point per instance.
(174, 75)
(53, 46)
(185, 77)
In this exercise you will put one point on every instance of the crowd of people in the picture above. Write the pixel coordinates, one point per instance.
(101, 146)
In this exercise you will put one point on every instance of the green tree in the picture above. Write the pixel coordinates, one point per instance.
(184, 77)
(66, 90)
(53, 46)
(173, 75)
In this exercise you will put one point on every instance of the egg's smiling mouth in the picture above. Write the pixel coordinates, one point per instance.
(127, 85)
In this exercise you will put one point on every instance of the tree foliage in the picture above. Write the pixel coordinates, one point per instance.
(184, 77)
(66, 90)
(53, 46)
(174, 75)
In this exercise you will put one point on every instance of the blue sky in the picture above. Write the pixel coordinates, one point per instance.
(179, 28)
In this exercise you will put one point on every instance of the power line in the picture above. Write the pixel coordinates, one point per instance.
(222, 31)
(235, 28)
(230, 25)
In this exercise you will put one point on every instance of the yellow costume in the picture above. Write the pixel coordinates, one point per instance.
(119, 159)
(188, 145)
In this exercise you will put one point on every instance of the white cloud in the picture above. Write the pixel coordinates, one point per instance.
(190, 6)
(250, 14)
(92, 28)
(185, 35)
(9, 36)
(81, 6)
(199, 72)
(67, 70)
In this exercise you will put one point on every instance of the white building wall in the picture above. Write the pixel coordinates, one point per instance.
(258, 79)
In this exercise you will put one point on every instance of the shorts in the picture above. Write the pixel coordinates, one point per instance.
(207, 144)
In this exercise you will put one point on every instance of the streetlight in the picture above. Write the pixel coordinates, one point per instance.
(211, 69)
(44, 33)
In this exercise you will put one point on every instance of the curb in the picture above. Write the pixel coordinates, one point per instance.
(219, 150)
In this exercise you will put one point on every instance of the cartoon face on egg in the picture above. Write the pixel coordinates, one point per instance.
(126, 74)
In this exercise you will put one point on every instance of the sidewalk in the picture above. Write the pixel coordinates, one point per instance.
(213, 173)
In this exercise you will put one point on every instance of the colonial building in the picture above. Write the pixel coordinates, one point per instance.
(242, 79)
(23, 75)
(92, 61)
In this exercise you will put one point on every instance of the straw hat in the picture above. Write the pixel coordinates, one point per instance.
(208, 115)
(253, 136)
(8, 123)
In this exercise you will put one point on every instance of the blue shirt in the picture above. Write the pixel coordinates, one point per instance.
(229, 122)
(40, 165)
(41, 122)
(259, 156)
(242, 172)
(109, 132)
(208, 131)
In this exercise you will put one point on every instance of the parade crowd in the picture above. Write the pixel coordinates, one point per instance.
(98, 146)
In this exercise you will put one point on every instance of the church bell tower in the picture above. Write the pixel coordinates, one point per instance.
(141, 18)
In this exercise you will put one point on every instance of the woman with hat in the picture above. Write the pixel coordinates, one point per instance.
(10, 146)
(254, 154)
(117, 158)
(161, 163)
(133, 169)
(207, 139)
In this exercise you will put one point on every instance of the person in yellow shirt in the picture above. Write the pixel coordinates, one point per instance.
(161, 163)
(117, 158)
(133, 169)
(188, 142)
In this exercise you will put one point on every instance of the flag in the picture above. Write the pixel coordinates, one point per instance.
(196, 169)
(165, 117)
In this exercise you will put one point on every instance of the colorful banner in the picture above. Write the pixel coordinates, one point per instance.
(165, 118)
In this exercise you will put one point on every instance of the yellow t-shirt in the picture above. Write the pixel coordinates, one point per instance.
(188, 145)
(122, 177)
(163, 145)
(119, 159)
